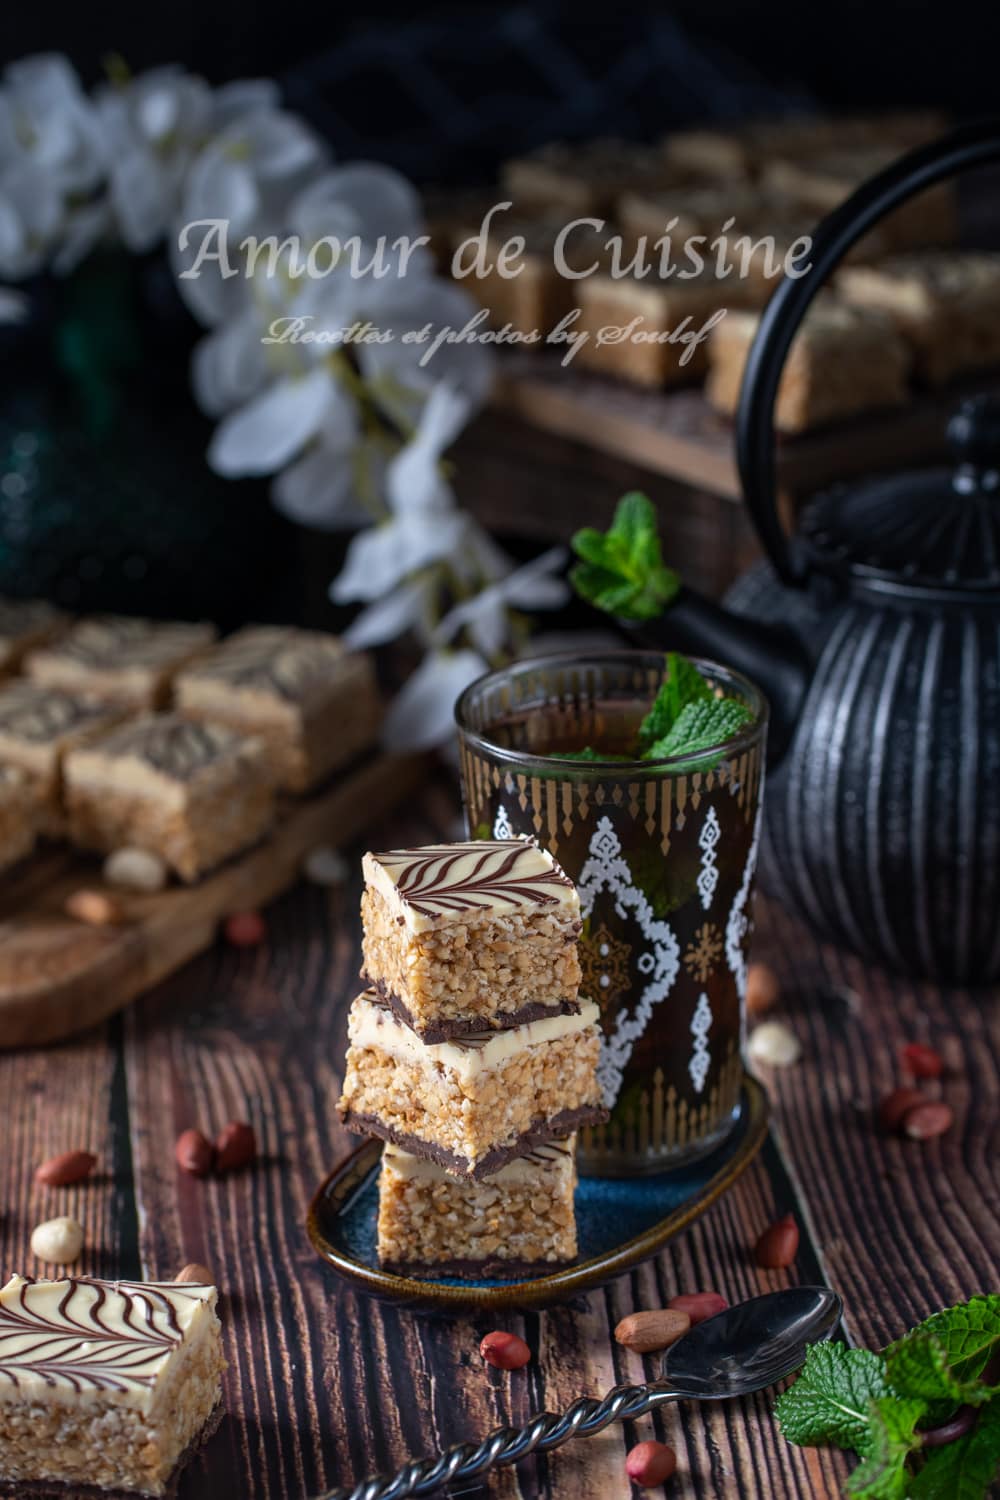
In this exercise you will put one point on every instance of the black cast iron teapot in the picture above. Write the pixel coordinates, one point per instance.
(875, 631)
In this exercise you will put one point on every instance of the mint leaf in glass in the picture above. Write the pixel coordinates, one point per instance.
(683, 684)
(920, 1365)
(621, 570)
(702, 725)
(589, 753)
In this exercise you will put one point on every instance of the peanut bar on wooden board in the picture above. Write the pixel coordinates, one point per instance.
(20, 815)
(945, 303)
(843, 360)
(312, 702)
(126, 660)
(25, 624)
(586, 178)
(193, 793)
(38, 728)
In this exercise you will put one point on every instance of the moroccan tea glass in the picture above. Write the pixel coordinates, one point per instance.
(663, 857)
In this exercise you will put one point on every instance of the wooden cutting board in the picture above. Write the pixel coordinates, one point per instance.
(59, 976)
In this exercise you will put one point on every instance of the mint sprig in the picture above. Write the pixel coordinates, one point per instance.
(701, 726)
(621, 570)
(880, 1404)
(682, 685)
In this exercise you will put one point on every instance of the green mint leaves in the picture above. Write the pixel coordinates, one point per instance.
(829, 1402)
(621, 570)
(879, 1405)
(685, 719)
(682, 686)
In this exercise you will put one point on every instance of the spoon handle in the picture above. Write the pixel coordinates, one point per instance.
(508, 1444)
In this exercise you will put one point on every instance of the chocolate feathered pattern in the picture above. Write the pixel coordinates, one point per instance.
(433, 880)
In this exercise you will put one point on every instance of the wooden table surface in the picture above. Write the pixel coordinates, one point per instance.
(325, 1386)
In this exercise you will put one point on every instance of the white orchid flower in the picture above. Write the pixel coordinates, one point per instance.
(48, 124)
(337, 483)
(154, 125)
(15, 307)
(244, 180)
(484, 616)
(31, 212)
(425, 524)
(401, 376)
(272, 429)
(422, 715)
(244, 96)
(401, 609)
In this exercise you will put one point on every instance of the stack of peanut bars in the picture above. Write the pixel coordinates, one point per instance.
(472, 1056)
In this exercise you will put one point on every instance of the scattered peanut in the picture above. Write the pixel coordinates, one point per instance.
(96, 908)
(245, 929)
(58, 1241)
(195, 1275)
(135, 870)
(763, 990)
(778, 1245)
(64, 1170)
(325, 866)
(895, 1105)
(699, 1305)
(657, 1329)
(649, 1464)
(235, 1146)
(772, 1042)
(926, 1121)
(922, 1061)
(505, 1351)
(194, 1153)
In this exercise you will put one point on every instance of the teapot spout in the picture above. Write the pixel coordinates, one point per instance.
(773, 656)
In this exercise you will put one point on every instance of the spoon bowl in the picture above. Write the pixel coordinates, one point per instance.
(749, 1346)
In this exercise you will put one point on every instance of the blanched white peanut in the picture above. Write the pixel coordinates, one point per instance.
(135, 870)
(58, 1241)
(772, 1042)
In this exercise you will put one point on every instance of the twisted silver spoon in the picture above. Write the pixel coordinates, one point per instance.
(743, 1349)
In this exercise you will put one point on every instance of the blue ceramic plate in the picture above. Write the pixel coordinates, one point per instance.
(620, 1222)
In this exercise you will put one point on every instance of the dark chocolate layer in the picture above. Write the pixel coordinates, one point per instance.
(559, 1125)
(448, 1030)
(476, 1270)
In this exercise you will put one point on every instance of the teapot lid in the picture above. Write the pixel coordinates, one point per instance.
(935, 528)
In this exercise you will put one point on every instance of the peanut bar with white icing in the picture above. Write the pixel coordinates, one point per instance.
(458, 937)
(313, 703)
(105, 1383)
(132, 661)
(38, 728)
(20, 815)
(474, 1102)
(518, 1221)
(25, 624)
(193, 793)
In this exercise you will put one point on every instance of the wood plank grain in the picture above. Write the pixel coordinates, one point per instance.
(58, 977)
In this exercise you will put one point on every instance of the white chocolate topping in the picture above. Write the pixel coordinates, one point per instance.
(458, 882)
(372, 1025)
(551, 1159)
(78, 1338)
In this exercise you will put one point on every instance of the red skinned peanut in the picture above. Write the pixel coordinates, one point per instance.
(504, 1351)
(778, 1245)
(649, 1464)
(194, 1153)
(235, 1146)
(922, 1061)
(699, 1305)
(895, 1105)
(245, 929)
(926, 1121)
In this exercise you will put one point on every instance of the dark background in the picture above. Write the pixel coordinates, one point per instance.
(446, 91)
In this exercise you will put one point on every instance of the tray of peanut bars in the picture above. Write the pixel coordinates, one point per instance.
(153, 782)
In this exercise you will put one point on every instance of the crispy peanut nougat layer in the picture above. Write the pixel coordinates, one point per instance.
(518, 1220)
(477, 1101)
(494, 968)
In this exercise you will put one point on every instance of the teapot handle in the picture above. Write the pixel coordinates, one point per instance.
(966, 147)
